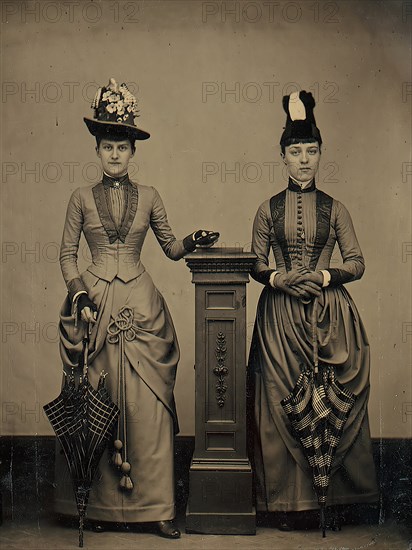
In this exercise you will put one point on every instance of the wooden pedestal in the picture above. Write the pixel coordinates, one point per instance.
(220, 492)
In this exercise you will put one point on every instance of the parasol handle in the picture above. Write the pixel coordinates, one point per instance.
(323, 520)
(86, 340)
(314, 330)
(81, 527)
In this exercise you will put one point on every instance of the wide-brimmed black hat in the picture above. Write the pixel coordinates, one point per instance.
(300, 120)
(115, 109)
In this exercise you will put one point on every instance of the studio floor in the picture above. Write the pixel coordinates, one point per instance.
(47, 534)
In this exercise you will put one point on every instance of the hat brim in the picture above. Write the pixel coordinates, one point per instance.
(97, 127)
(301, 129)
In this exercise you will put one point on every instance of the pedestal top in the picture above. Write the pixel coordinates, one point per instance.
(220, 260)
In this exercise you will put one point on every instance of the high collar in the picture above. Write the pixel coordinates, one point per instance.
(110, 181)
(295, 187)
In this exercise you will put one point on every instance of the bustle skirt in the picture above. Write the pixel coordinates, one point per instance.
(281, 346)
(151, 354)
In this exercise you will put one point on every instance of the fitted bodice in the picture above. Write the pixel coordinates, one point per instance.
(115, 223)
(301, 227)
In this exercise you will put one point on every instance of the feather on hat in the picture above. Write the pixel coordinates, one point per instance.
(300, 120)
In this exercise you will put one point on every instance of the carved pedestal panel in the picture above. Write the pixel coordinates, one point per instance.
(220, 493)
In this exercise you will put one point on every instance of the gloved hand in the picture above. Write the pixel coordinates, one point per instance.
(313, 276)
(200, 238)
(307, 288)
(309, 282)
(299, 283)
(288, 283)
(86, 309)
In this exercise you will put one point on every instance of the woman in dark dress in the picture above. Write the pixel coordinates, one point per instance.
(301, 226)
(132, 330)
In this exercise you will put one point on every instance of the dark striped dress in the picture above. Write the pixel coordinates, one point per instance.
(301, 228)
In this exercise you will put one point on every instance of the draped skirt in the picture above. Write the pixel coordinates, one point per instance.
(150, 356)
(281, 348)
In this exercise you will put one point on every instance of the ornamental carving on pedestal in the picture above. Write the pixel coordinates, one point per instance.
(220, 370)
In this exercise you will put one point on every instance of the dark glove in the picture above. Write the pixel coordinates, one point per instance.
(315, 277)
(310, 283)
(295, 284)
(200, 238)
(307, 288)
(285, 283)
(84, 301)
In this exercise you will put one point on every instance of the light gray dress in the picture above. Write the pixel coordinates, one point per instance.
(115, 223)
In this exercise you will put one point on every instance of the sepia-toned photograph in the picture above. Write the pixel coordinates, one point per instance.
(206, 274)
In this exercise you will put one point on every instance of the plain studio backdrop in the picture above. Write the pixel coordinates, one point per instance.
(209, 77)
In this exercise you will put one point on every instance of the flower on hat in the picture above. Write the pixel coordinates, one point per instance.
(115, 99)
(115, 109)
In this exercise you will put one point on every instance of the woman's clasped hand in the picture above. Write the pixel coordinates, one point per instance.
(301, 283)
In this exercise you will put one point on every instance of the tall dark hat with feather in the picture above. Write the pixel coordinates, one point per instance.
(115, 109)
(300, 120)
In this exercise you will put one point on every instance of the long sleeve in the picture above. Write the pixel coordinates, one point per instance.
(353, 265)
(261, 247)
(70, 245)
(172, 247)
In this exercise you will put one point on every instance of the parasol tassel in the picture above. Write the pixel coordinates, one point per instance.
(117, 457)
(126, 482)
(116, 331)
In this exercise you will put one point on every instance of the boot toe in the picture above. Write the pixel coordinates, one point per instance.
(167, 529)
